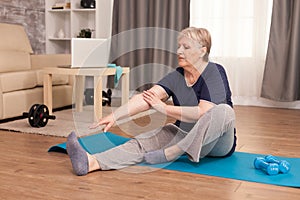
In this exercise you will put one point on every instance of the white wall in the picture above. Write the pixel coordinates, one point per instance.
(104, 17)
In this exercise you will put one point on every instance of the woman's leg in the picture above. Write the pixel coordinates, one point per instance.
(133, 151)
(208, 130)
(216, 123)
(129, 153)
(219, 147)
(121, 156)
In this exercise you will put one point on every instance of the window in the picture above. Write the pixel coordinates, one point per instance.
(237, 27)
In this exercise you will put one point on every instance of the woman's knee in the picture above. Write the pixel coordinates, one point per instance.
(223, 107)
(223, 145)
(224, 110)
(222, 118)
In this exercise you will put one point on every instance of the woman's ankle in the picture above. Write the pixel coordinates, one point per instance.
(173, 152)
(93, 163)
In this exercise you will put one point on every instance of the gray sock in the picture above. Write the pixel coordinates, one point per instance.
(77, 155)
(155, 157)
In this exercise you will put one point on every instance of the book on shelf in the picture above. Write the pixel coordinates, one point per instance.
(61, 6)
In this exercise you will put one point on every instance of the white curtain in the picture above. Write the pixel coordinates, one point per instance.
(240, 34)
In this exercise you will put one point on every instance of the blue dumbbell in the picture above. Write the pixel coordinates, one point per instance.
(284, 166)
(270, 168)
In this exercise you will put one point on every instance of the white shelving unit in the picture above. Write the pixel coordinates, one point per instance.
(64, 24)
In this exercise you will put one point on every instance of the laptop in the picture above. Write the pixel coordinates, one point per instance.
(89, 52)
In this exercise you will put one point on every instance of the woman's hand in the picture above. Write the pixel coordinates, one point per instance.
(107, 122)
(154, 101)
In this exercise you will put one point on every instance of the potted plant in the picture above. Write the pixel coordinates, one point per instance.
(85, 33)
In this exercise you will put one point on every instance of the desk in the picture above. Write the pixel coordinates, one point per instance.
(80, 74)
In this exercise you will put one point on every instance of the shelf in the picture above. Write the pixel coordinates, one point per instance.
(72, 20)
(59, 10)
(84, 10)
(59, 39)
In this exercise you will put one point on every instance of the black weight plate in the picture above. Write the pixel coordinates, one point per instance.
(41, 115)
(31, 119)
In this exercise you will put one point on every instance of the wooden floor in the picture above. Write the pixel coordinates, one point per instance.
(27, 171)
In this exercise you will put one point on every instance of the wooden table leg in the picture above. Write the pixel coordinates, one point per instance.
(48, 92)
(97, 98)
(79, 91)
(125, 88)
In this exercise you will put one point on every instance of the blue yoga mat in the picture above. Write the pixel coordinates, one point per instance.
(238, 166)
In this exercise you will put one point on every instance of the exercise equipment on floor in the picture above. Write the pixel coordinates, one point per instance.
(284, 166)
(272, 165)
(38, 115)
(89, 97)
(269, 168)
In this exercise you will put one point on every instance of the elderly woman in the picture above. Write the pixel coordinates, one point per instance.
(202, 106)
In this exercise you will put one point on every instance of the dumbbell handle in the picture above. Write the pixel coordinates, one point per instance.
(49, 116)
(273, 159)
(25, 114)
(284, 166)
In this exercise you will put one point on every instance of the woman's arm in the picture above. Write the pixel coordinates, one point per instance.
(189, 113)
(182, 113)
(134, 106)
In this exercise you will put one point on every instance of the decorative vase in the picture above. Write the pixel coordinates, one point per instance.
(60, 34)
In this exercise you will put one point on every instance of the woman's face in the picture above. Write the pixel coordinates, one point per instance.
(189, 52)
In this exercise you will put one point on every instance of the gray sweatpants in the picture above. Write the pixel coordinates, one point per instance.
(212, 135)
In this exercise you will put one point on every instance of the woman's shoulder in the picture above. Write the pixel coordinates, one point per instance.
(179, 71)
(215, 67)
(174, 76)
